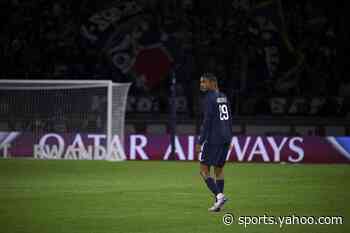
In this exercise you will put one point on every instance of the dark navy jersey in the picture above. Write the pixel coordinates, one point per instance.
(217, 123)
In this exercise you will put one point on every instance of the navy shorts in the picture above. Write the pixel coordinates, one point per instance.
(214, 155)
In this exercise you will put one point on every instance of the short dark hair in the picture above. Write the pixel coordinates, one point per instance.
(209, 76)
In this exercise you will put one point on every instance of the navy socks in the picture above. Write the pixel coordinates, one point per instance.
(212, 185)
(220, 185)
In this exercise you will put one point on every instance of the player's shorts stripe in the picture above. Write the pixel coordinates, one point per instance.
(201, 152)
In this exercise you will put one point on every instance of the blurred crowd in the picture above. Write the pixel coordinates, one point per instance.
(260, 50)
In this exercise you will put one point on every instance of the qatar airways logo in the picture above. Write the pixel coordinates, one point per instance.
(267, 149)
(91, 146)
(242, 149)
(144, 147)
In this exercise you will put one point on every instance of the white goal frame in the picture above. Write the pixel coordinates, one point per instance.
(51, 84)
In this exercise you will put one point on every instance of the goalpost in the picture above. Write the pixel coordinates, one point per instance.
(72, 111)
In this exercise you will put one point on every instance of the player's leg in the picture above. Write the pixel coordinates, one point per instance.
(205, 163)
(220, 197)
(219, 167)
(219, 178)
(217, 160)
(210, 182)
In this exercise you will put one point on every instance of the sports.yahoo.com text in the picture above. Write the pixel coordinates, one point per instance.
(281, 221)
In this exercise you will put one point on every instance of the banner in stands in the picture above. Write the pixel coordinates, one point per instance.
(125, 34)
(267, 149)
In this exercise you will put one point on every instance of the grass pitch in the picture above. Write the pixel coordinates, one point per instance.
(164, 197)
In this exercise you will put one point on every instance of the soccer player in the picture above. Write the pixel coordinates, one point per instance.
(215, 137)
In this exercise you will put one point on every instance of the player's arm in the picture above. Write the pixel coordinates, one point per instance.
(204, 131)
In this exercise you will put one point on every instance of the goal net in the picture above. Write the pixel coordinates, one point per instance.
(65, 119)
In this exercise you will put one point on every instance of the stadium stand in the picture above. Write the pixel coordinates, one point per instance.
(272, 60)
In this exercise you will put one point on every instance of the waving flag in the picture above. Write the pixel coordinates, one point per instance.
(124, 33)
